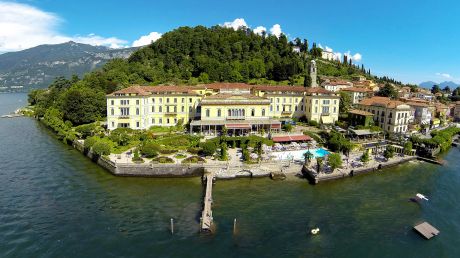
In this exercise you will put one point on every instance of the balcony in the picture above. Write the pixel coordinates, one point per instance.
(171, 113)
(236, 117)
(286, 112)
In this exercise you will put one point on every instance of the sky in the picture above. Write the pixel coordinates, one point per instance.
(411, 41)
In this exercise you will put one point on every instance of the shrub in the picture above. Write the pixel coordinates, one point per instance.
(334, 161)
(312, 123)
(365, 157)
(194, 150)
(287, 127)
(180, 156)
(150, 149)
(193, 159)
(209, 148)
(89, 142)
(163, 160)
(102, 147)
(167, 151)
(137, 158)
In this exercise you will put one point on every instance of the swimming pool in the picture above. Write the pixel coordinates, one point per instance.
(298, 154)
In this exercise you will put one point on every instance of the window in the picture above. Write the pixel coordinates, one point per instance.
(316, 109)
(137, 102)
(295, 108)
(190, 100)
(161, 100)
(277, 100)
(183, 100)
(183, 109)
(284, 100)
(167, 100)
(253, 112)
(263, 111)
(137, 111)
(124, 111)
(190, 109)
(335, 101)
(335, 110)
(175, 120)
(137, 124)
(271, 108)
(277, 108)
(207, 112)
(219, 112)
(175, 100)
(160, 120)
(112, 112)
(326, 102)
(153, 109)
(153, 100)
(175, 109)
(325, 110)
(124, 102)
(167, 121)
(316, 101)
(153, 120)
(112, 102)
(161, 109)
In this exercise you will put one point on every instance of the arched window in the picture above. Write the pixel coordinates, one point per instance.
(263, 111)
(253, 112)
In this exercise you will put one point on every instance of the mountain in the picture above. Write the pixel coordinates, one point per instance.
(429, 84)
(38, 66)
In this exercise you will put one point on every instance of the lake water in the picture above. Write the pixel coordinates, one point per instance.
(56, 203)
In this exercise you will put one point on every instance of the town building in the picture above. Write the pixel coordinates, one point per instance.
(336, 85)
(422, 113)
(391, 115)
(358, 117)
(357, 94)
(328, 55)
(457, 111)
(209, 108)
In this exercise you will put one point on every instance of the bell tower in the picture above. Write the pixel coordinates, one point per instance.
(313, 73)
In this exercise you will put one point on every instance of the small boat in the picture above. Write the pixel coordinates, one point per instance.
(314, 231)
(421, 196)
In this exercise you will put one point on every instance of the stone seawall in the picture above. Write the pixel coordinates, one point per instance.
(142, 170)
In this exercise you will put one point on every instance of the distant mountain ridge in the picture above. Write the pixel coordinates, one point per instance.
(429, 84)
(38, 66)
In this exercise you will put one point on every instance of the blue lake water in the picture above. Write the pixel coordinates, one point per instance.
(56, 203)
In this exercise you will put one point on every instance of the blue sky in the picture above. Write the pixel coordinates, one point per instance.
(412, 41)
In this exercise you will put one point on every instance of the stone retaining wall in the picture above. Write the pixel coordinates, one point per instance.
(143, 170)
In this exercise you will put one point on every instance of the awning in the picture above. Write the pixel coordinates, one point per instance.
(276, 126)
(291, 138)
(238, 126)
(326, 120)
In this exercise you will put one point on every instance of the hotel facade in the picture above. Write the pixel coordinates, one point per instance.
(239, 108)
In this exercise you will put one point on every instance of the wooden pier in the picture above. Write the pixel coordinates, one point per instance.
(426, 230)
(206, 215)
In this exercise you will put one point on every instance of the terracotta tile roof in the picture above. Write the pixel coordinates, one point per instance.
(357, 89)
(318, 90)
(234, 96)
(226, 85)
(278, 88)
(135, 89)
(381, 101)
(417, 104)
(360, 112)
(291, 138)
(336, 83)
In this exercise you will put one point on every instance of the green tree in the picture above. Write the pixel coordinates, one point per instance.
(365, 158)
(150, 149)
(389, 152)
(102, 147)
(308, 156)
(408, 148)
(209, 148)
(287, 127)
(435, 89)
(345, 103)
(388, 91)
(223, 151)
(83, 105)
(335, 161)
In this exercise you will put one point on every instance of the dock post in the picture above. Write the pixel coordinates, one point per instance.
(234, 226)
(172, 226)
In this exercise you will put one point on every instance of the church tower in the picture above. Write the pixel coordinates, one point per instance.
(313, 73)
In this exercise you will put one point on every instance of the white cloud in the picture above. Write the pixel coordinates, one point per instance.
(276, 30)
(147, 39)
(356, 57)
(259, 30)
(236, 24)
(445, 75)
(24, 26)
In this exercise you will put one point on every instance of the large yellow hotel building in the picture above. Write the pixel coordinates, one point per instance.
(208, 108)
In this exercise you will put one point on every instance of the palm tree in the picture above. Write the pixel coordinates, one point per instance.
(308, 156)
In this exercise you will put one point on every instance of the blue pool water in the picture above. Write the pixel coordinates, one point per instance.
(298, 154)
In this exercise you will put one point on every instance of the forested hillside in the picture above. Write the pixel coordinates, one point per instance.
(187, 56)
